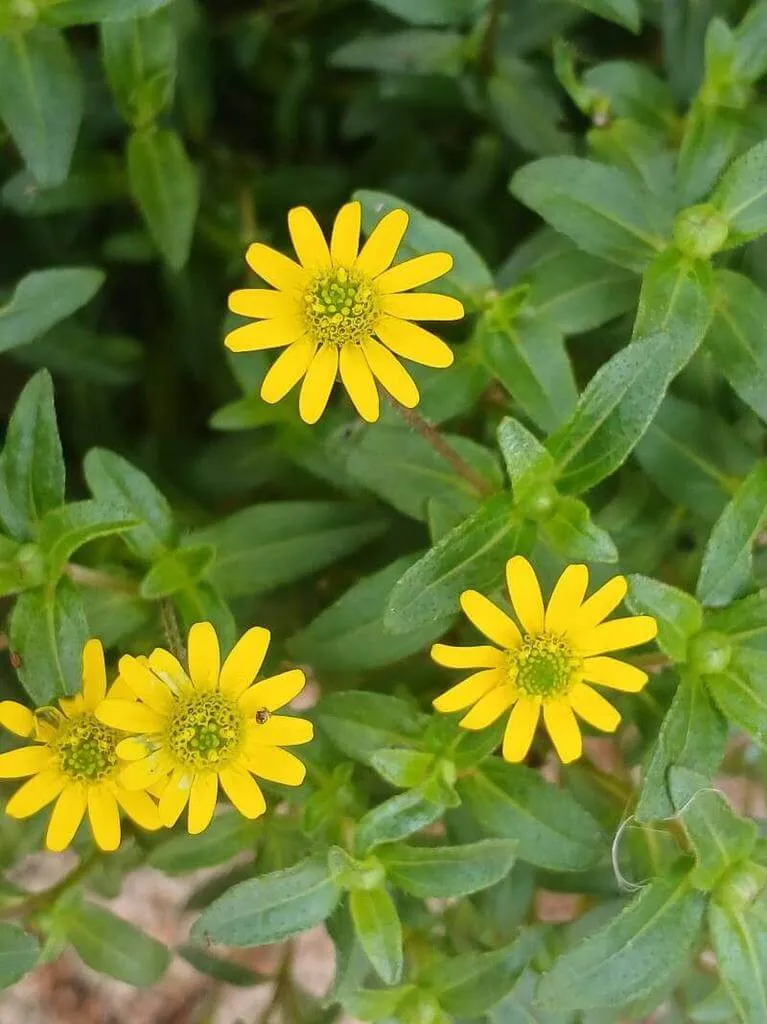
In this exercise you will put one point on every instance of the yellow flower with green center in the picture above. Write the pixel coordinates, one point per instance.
(548, 664)
(73, 761)
(211, 725)
(342, 309)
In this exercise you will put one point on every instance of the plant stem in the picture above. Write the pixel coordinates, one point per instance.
(490, 38)
(170, 628)
(432, 436)
(96, 578)
(282, 985)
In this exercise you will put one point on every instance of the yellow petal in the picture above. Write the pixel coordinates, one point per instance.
(466, 657)
(17, 718)
(169, 670)
(318, 383)
(36, 793)
(468, 691)
(593, 708)
(264, 334)
(276, 765)
(146, 772)
(244, 662)
(134, 748)
(563, 729)
(145, 685)
(174, 797)
(413, 342)
(520, 729)
(600, 604)
(391, 373)
(104, 817)
(272, 693)
(94, 674)
(308, 239)
(202, 802)
(616, 635)
(262, 303)
(414, 272)
(359, 382)
(287, 370)
(72, 706)
(281, 731)
(66, 817)
(615, 674)
(566, 598)
(120, 690)
(244, 792)
(380, 249)
(345, 239)
(15, 764)
(140, 807)
(275, 268)
(525, 593)
(489, 708)
(204, 656)
(490, 620)
(422, 306)
(130, 716)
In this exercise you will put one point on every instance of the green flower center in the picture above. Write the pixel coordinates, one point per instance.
(86, 749)
(542, 666)
(205, 731)
(340, 307)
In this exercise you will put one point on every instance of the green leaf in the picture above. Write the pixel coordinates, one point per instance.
(265, 546)
(679, 616)
(727, 559)
(741, 196)
(515, 802)
(379, 930)
(434, 12)
(376, 1003)
(739, 937)
(401, 767)
(166, 187)
(737, 340)
(711, 133)
(676, 297)
(528, 463)
(600, 208)
(360, 724)
(113, 479)
(32, 469)
(226, 836)
(18, 953)
(751, 43)
(139, 58)
(571, 533)
(744, 621)
(41, 100)
(110, 945)
(525, 106)
(410, 52)
(221, 969)
(42, 299)
(64, 530)
(639, 950)
(178, 570)
(471, 555)
(394, 819)
(446, 871)
(85, 12)
(272, 907)
(740, 692)
(622, 12)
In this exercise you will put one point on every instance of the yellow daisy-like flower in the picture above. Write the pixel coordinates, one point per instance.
(74, 761)
(549, 663)
(211, 725)
(327, 308)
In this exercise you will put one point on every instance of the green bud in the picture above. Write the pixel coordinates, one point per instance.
(700, 231)
(709, 653)
(354, 875)
(539, 503)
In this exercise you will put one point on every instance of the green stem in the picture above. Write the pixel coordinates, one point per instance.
(100, 580)
(171, 628)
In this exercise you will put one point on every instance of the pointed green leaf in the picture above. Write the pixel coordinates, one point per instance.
(64, 530)
(679, 616)
(446, 871)
(379, 930)
(42, 299)
(18, 953)
(110, 945)
(741, 195)
(737, 340)
(739, 937)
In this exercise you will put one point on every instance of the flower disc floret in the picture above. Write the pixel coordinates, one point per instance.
(340, 307)
(206, 731)
(86, 749)
(542, 666)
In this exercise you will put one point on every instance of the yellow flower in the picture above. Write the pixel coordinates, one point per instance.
(549, 663)
(74, 759)
(212, 725)
(327, 307)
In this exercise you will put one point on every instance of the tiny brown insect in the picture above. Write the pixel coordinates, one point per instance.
(262, 716)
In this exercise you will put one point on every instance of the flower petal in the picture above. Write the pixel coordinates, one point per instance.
(359, 382)
(281, 731)
(287, 370)
(468, 691)
(272, 693)
(466, 657)
(318, 383)
(422, 306)
(520, 729)
(414, 272)
(615, 674)
(17, 718)
(146, 772)
(169, 670)
(104, 817)
(413, 342)
(16, 764)
(391, 373)
(563, 729)
(489, 708)
(566, 598)
(345, 238)
(276, 765)
(275, 268)
(66, 817)
(244, 661)
(130, 716)
(525, 594)
(174, 797)
(140, 807)
(600, 604)
(381, 247)
(490, 620)
(204, 656)
(94, 674)
(202, 802)
(616, 635)
(261, 303)
(244, 792)
(134, 748)
(593, 708)
(36, 793)
(265, 334)
(145, 685)
(308, 239)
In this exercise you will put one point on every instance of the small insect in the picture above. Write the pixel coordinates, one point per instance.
(262, 716)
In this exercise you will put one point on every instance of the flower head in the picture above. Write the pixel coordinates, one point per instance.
(214, 724)
(548, 664)
(328, 307)
(74, 761)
